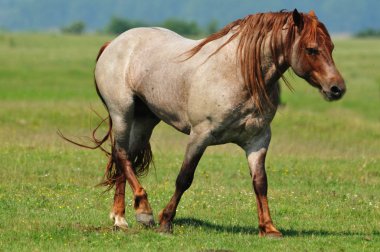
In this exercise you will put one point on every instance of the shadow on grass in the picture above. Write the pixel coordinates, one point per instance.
(210, 226)
(254, 231)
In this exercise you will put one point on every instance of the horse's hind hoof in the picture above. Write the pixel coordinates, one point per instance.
(119, 222)
(271, 235)
(166, 228)
(146, 219)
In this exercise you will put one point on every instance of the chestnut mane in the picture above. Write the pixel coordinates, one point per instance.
(253, 30)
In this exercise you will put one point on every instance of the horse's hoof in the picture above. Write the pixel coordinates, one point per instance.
(166, 228)
(146, 219)
(119, 222)
(272, 235)
(116, 228)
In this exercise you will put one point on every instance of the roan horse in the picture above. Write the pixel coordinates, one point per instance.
(221, 89)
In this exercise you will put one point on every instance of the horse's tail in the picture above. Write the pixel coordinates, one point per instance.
(140, 161)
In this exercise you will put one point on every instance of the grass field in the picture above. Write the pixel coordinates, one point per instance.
(323, 166)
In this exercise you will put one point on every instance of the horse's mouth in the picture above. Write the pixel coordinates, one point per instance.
(330, 92)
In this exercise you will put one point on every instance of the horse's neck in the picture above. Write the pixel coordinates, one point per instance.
(272, 72)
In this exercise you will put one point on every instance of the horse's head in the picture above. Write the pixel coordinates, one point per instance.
(311, 56)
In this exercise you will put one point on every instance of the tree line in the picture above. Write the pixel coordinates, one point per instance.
(368, 33)
(119, 25)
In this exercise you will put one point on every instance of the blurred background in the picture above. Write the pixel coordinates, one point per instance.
(323, 164)
(341, 16)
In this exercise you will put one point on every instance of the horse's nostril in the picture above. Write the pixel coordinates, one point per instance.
(335, 90)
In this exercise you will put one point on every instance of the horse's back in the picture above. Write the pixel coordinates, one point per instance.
(140, 51)
(145, 62)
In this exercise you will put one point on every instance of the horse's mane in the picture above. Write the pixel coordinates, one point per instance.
(252, 31)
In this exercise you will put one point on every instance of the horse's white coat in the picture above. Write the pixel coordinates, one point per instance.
(198, 96)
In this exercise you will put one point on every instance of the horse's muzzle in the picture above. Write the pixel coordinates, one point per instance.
(334, 93)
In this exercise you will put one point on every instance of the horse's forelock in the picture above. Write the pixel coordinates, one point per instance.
(314, 31)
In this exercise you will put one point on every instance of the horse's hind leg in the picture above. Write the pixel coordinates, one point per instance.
(128, 142)
(142, 128)
(118, 210)
(121, 127)
(144, 213)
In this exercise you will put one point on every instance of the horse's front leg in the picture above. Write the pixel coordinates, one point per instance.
(194, 152)
(256, 152)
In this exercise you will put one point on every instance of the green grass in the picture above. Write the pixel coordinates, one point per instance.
(323, 166)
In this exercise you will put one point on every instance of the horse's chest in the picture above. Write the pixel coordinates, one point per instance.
(243, 128)
(251, 124)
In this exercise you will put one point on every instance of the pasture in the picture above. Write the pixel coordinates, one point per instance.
(323, 165)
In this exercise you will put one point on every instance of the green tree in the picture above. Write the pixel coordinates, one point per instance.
(212, 27)
(77, 27)
(182, 27)
(368, 33)
(119, 25)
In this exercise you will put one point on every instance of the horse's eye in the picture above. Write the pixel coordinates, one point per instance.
(312, 51)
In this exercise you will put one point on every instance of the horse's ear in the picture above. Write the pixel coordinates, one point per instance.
(312, 14)
(298, 19)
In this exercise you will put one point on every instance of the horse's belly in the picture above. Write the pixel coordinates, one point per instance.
(171, 117)
(167, 109)
(166, 96)
(178, 125)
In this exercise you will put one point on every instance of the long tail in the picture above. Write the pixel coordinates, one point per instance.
(140, 160)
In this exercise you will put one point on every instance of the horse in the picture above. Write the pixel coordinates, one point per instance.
(220, 89)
